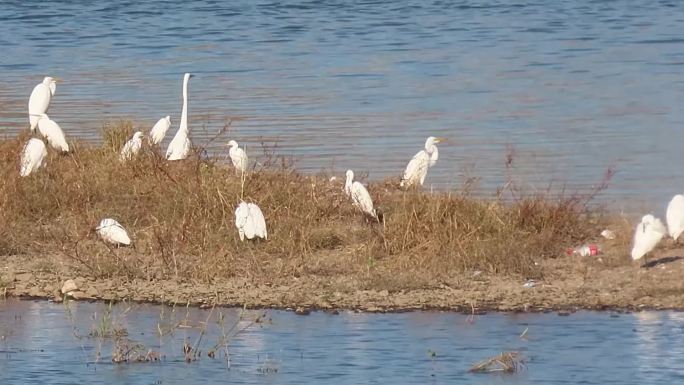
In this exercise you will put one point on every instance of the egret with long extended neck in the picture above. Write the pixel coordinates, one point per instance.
(179, 148)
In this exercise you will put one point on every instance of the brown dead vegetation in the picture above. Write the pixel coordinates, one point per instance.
(180, 218)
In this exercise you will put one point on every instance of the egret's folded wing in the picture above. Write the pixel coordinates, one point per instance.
(259, 221)
(362, 198)
(416, 166)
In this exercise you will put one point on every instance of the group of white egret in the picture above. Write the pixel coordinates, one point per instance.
(249, 218)
(651, 230)
(414, 174)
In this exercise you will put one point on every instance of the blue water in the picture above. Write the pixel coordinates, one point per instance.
(46, 343)
(574, 86)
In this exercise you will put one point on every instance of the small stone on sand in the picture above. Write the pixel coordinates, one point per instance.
(68, 286)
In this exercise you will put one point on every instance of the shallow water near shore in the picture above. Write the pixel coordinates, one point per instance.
(50, 343)
(575, 87)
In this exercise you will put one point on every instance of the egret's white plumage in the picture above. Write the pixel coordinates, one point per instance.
(180, 145)
(132, 147)
(32, 157)
(647, 235)
(238, 156)
(348, 182)
(53, 133)
(159, 129)
(39, 101)
(359, 195)
(112, 232)
(250, 221)
(675, 216)
(417, 168)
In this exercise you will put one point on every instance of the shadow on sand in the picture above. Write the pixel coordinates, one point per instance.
(661, 261)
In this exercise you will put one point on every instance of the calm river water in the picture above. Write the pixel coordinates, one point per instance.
(48, 343)
(574, 86)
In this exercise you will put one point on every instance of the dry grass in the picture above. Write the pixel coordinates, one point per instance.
(506, 362)
(180, 217)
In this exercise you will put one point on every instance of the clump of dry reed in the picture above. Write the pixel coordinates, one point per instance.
(180, 217)
(506, 362)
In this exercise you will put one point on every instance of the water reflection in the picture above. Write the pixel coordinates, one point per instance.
(660, 345)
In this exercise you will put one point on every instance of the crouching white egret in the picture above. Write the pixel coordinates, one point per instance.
(32, 157)
(180, 145)
(132, 147)
(238, 156)
(112, 232)
(159, 129)
(359, 195)
(250, 221)
(53, 133)
(675, 216)
(417, 168)
(39, 101)
(647, 235)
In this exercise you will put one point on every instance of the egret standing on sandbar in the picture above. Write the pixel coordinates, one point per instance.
(132, 147)
(53, 133)
(359, 195)
(180, 145)
(250, 221)
(112, 232)
(39, 101)
(159, 129)
(647, 235)
(32, 157)
(238, 156)
(417, 168)
(675, 216)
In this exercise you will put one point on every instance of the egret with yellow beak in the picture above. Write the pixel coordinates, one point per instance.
(417, 168)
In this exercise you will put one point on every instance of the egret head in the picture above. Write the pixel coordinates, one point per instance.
(431, 141)
(50, 81)
(187, 76)
(168, 118)
(138, 135)
(350, 175)
(233, 144)
(648, 218)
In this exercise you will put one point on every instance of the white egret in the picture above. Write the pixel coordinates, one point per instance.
(112, 232)
(32, 157)
(238, 156)
(180, 145)
(675, 216)
(53, 133)
(159, 129)
(359, 195)
(39, 101)
(250, 221)
(417, 168)
(132, 147)
(647, 235)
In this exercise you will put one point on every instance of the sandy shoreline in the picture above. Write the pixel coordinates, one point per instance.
(569, 284)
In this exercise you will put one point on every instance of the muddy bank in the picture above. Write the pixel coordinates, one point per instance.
(567, 284)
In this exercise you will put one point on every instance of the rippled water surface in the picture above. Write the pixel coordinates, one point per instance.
(48, 343)
(574, 86)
